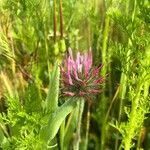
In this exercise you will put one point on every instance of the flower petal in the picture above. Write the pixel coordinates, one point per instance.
(69, 93)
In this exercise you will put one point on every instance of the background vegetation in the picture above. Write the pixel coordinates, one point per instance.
(35, 34)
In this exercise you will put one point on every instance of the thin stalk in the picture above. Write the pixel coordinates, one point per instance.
(87, 127)
(78, 131)
(61, 19)
(123, 84)
(62, 133)
(89, 34)
(111, 104)
(109, 77)
(13, 54)
(46, 49)
(45, 40)
(104, 71)
(55, 20)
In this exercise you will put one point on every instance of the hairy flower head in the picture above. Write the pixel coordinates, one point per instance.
(79, 78)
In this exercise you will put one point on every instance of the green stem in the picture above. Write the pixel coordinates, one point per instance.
(46, 49)
(111, 104)
(78, 131)
(55, 21)
(61, 19)
(87, 127)
(123, 85)
(62, 133)
(56, 120)
(104, 71)
(13, 54)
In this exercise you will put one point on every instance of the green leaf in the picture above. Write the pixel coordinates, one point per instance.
(53, 92)
(48, 132)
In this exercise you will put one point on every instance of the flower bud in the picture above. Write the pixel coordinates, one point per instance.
(56, 48)
(62, 45)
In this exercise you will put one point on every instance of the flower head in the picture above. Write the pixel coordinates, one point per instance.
(79, 78)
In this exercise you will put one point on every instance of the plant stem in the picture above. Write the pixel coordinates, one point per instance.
(111, 104)
(62, 132)
(55, 21)
(123, 84)
(13, 54)
(87, 127)
(61, 19)
(46, 49)
(104, 70)
(78, 131)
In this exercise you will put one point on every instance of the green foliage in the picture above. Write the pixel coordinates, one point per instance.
(28, 124)
(51, 102)
(49, 131)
